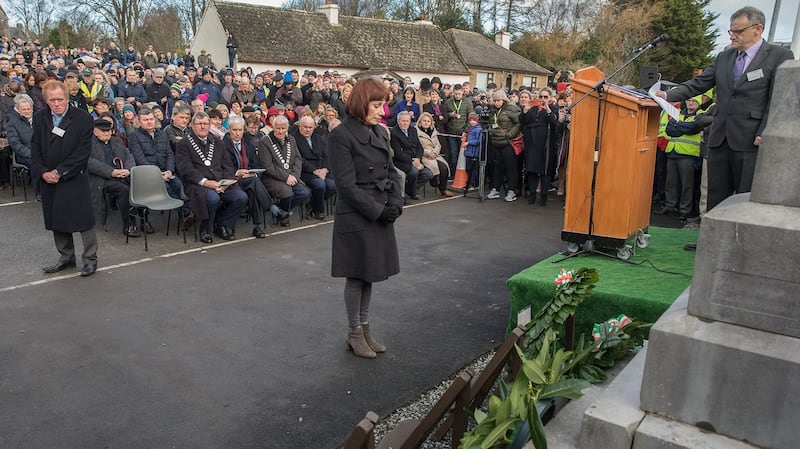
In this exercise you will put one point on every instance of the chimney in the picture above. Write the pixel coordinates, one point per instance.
(423, 19)
(331, 11)
(503, 39)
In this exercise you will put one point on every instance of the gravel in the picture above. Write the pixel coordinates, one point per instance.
(420, 407)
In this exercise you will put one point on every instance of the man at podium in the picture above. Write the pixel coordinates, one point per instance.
(743, 76)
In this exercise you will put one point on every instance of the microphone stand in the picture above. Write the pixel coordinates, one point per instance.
(589, 245)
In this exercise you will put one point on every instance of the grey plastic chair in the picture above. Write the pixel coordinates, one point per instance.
(149, 192)
(21, 175)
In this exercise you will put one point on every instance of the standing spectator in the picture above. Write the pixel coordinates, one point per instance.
(157, 90)
(62, 164)
(538, 121)
(743, 76)
(289, 92)
(208, 87)
(233, 45)
(245, 94)
(150, 58)
(112, 52)
(504, 127)
(457, 109)
(129, 56)
(202, 59)
(131, 90)
(364, 248)
(228, 88)
(188, 59)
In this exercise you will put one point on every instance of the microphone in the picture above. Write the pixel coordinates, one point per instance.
(652, 44)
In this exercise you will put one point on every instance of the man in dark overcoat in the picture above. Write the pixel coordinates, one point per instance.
(281, 159)
(61, 147)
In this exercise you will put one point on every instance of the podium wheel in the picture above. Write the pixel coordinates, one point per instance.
(573, 247)
(642, 240)
(625, 252)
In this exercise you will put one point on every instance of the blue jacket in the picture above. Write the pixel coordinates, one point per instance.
(473, 149)
(209, 88)
(152, 151)
(135, 90)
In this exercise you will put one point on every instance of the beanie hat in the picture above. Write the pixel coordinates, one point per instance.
(287, 78)
(175, 86)
(499, 94)
(128, 107)
(472, 116)
(425, 84)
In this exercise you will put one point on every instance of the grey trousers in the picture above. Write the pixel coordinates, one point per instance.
(66, 246)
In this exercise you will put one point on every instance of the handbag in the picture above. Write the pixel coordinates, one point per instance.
(516, 143)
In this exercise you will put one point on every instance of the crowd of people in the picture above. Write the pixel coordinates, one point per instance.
(265, 121)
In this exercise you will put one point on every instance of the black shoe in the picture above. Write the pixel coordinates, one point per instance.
(148, 228)
(188, 220)
(285, 221)
(690, 247)
(258, 233)
(88, 269)
(205, 237)
(319, 215)
(282, 216)
(131, 231)
(58, 266)
(223, 232)
(413, 197)
(666, 211)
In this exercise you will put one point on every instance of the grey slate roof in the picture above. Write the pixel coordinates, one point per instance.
(478, 51)
(297, 37)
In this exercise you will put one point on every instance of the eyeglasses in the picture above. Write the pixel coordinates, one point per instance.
(741, 30)
(544, 96)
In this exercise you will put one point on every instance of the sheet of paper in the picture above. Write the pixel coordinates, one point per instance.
(666, 106)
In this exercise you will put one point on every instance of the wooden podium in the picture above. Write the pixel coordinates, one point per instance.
(626, 163)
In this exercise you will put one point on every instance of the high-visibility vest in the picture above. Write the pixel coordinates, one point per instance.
(90, 96)
(662, 125)
(688, 144)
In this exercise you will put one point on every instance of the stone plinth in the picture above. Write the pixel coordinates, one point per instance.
(747, 270)
(738, 381)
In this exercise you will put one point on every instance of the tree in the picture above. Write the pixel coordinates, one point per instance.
(33, 15)
(162, 27)
(692, 38)
(119, 18)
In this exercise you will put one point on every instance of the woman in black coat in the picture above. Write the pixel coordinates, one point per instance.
(368, 202)
(538, 120)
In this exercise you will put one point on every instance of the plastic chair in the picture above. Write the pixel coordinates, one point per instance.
(19, 174)
(149, 192)
(362, 436)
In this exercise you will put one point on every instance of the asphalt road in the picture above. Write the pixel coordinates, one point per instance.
(241, 344)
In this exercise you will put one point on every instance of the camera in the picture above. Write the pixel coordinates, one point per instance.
(483, 115)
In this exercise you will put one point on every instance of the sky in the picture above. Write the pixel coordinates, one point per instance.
(783, 30)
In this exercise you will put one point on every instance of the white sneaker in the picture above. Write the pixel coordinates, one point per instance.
(511, 196)
(493, 194)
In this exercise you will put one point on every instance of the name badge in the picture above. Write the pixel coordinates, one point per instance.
(755, 75)
(58, 131)
(494, 126)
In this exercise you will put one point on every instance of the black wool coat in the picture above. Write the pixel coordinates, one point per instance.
(366, 181)
(67, 204)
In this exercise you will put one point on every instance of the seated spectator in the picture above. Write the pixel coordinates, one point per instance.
(179, 127)
(109, 170)
(208, 87)
(408, 104)
(408, 154)
(289, 91)
(245, 94)
(281, 159)
(158, 90)
(150, 146)
(76, 98)
(339, 100)
(253, 126)
(316, 170)
(225, 114)
(236, 109)
(432, 152)
(203, 162)
(198, 106)
(131, 90)
(244, 158)
(19, 130)
(216, 123)
(101, 105)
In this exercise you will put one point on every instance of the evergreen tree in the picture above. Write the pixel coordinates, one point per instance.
(692, 38)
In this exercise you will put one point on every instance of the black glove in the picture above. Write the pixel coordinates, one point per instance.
(389, 214)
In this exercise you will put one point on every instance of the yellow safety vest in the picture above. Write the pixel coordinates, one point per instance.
(90, 96)
(688, 144)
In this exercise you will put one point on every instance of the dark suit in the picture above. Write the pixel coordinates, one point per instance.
(258, 197)
(276, 175)
(205, 201)
(741, 116)
(315, 157)
(406, 148)
(67, 204)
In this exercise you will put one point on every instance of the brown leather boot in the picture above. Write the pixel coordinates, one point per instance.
(355, 339)
(375, 345)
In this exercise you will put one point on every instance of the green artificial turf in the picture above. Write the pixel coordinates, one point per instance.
(642, 291)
